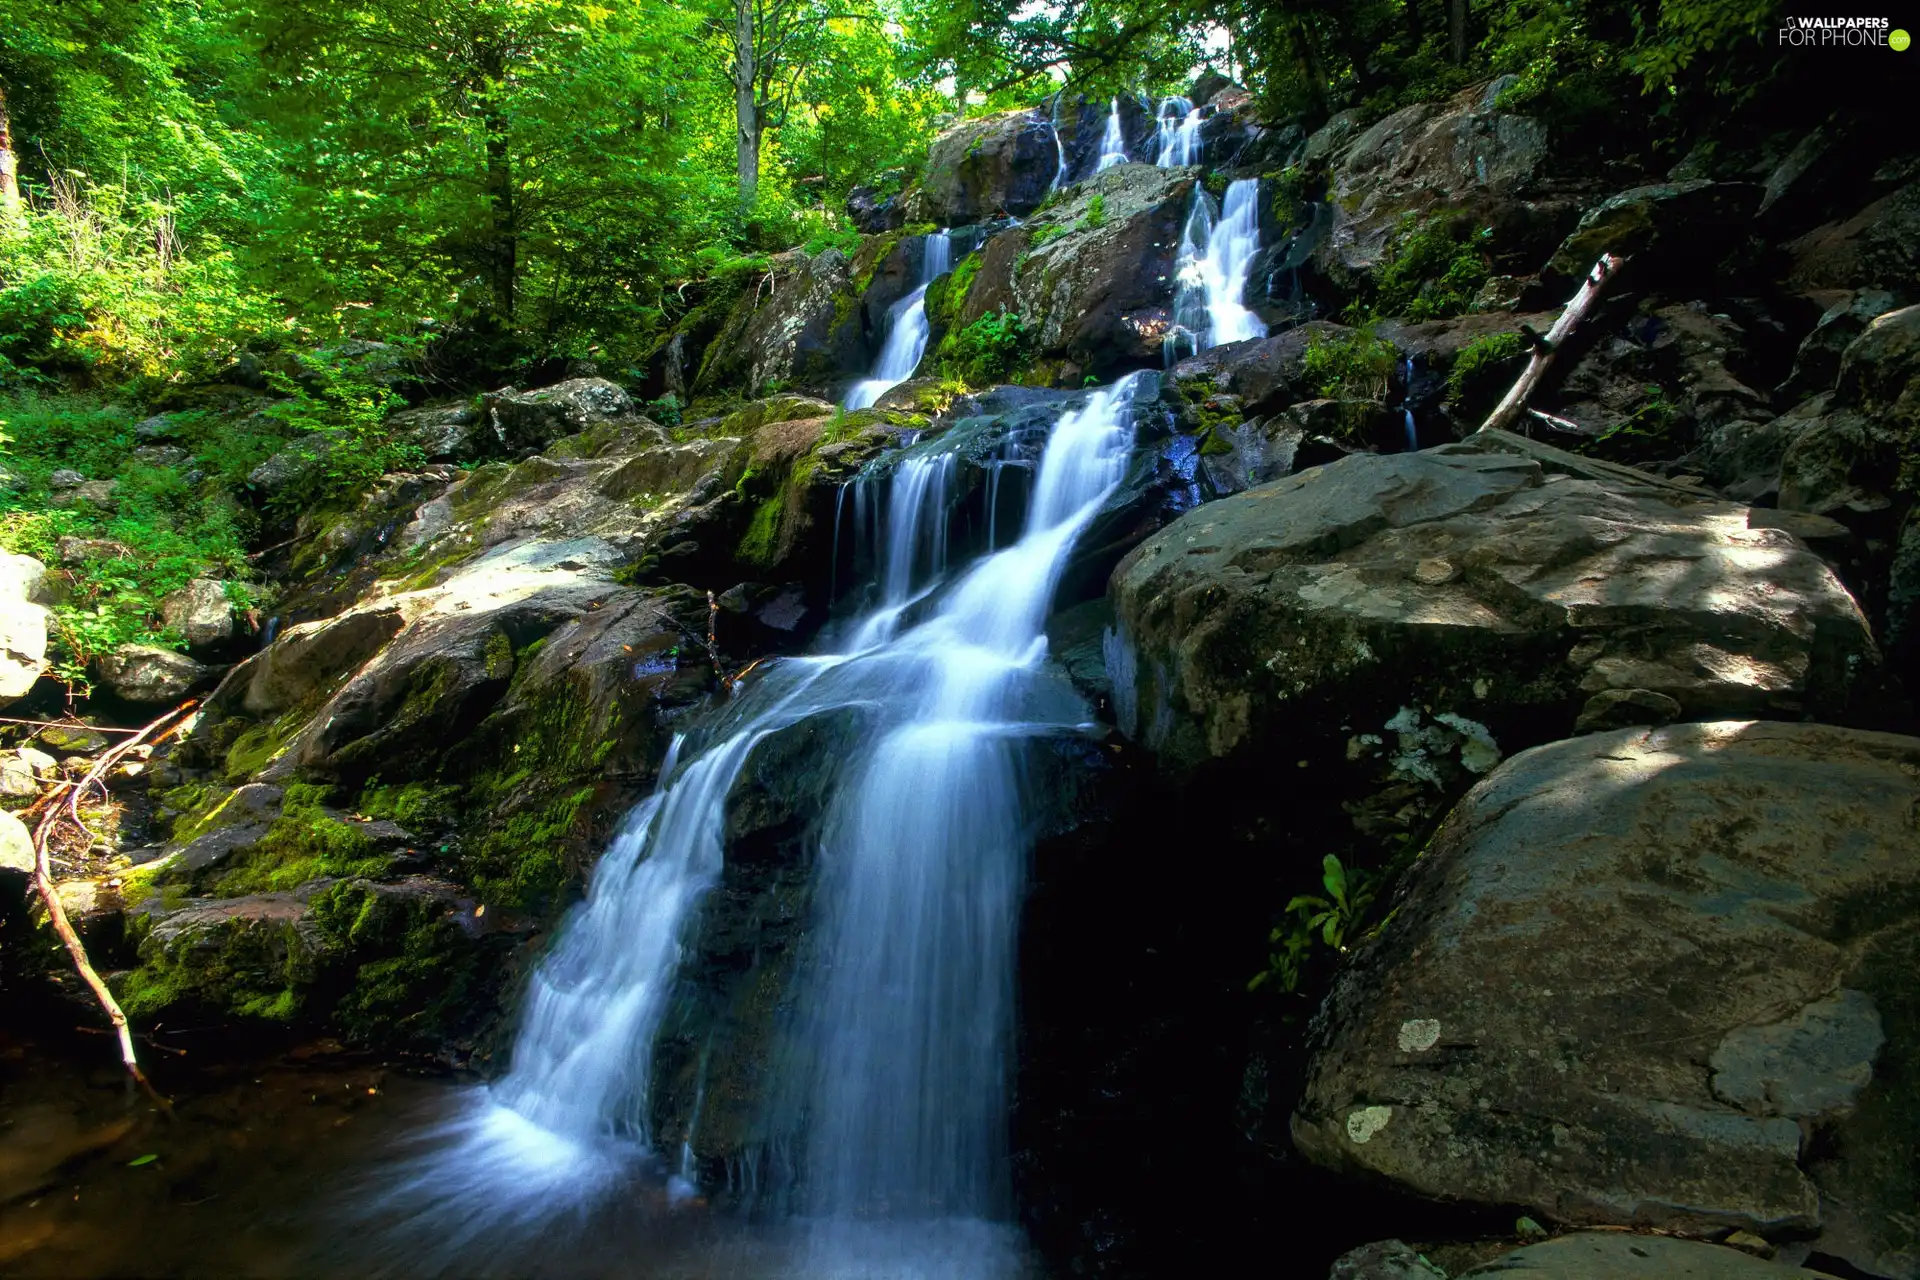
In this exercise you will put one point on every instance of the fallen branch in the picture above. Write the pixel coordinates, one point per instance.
(1546, 348)
(713, 638)
(49, 892)
(65, 724)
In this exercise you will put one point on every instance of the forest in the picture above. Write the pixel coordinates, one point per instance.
(980, 639)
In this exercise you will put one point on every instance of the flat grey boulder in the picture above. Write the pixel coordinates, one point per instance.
(1608, 1255)
(1652, 978)
(200, 612)
(1380, 590)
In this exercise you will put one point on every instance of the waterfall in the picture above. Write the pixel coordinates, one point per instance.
(1113, 143)
(1176, 133)
(1211, 273)
(904, 1003)
(1406, 406)
(1059, 144)
(906, 329)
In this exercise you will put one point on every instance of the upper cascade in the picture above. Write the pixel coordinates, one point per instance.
(1113, 143)
(1177, 133)
(907, 329)
(1209, 306)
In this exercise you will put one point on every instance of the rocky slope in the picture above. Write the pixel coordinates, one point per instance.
(1608, 730)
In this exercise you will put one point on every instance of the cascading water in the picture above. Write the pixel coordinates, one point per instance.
(1113, 143)
(906, 329)
(1059, 144)
(905, 1003)
(1177, 133)
(1406, 406)
(1208, 306)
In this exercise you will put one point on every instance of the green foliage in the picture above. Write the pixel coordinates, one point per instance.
(1644, 434)
(985, 352)
(1096, 215)
(1483, 368)
(1355, 365)
(1047, 235)
(339, 424)
(1331, 921)
(1432, 270)
(159, 529)
(302, 845)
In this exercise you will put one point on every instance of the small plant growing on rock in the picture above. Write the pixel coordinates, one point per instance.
(1332, 919)
(1432, 270)
(986, 351)
(1353, 368)
(1483, 369)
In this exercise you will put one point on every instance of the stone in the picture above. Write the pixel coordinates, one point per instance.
(1096, 294)
(527, 421)
(1607, 1255)
(1817, 363)
(72, 739)
(143, 673)
(1617, 708)
(16, 846)
(200, 612)
(291, 465)
(158, 427)
(40, 762)
(72, 551)
(446, 433)
(65, 478)
(873, 213)
(23, 626)
(1660, 1001)
(1316, 601)
(1461, 157)
(17, 780)
(798, 325)
(162, 455)
(91, 493)
(1384, 1260)
(990, 167)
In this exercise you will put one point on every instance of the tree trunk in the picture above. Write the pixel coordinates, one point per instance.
(503, 235)
(1457, 25)
(9, 164)
(1311, 70)
(746, 112)
(1414, 32)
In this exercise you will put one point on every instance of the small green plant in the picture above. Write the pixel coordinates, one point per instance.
(1046, 235)
(1644, 434)
(1353, 368)
(986, 351)
(665, 410)
(1331, 920)
(1096, 215)
(1482, 367)
(1432, 270)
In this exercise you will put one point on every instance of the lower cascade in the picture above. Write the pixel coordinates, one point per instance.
(905, 1003)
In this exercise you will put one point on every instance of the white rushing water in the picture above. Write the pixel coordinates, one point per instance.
(906, 339)
(904, 1006)
(1176, 133)
(1208, 303)
(1113, 143)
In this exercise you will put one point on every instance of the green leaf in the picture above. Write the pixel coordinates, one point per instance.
(1334, 876)
(137, 1161)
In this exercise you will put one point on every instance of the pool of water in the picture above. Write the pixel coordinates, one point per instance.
(286, 1163)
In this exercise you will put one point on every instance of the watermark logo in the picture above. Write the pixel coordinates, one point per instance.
(1841, 33)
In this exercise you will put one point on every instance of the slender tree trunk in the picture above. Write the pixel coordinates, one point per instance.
(1311, 69)
(1457, 26)
(746, 111)
(9, 164)
(1414, 31)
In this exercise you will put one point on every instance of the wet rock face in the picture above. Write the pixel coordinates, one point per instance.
(1094, 293)
(795, 326)
(1357, 593)
(1878, 247)
(525, 421)
(1654, 978)
(990, 167)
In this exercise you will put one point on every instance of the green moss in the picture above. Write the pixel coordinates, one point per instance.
(757, 544)
(251, 968)
(1483, 365)
(302, 845)
(415, 970)
(197, 808)
(415, 805)
(258, 746)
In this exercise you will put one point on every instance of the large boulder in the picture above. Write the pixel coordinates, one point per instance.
(1675, 232)
(526, 421)
(1656, 978)
(144, 673)
(1092, 277)
(1489, 592)
(16, 846)
(1463, 156)
(200, 612)
(990, 167)
(796, 326)
(23, 626)
(1613, 1255)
